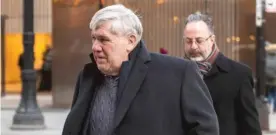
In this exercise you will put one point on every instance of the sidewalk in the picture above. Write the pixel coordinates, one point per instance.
(54, 118)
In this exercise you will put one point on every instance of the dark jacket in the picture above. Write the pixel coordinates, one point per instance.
(231, 87)
(270, 67)
(161, 95)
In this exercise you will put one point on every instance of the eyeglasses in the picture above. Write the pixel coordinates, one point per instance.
(198, 40)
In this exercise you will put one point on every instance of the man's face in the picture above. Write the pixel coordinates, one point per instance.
(198, 41)
(109, 49)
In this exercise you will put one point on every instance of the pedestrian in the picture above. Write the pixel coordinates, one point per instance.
(46, 71)
(270, 72)
(126, 90)
(230, 83)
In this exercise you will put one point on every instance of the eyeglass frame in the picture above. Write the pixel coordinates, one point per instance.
(204, 40)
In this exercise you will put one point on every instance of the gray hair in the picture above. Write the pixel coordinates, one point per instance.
(195, 17)
(124, 21)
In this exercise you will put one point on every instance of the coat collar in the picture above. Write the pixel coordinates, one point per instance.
(221, 64)
(134, 77)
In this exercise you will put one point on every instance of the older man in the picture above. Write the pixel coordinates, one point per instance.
(126, 90)
(230, 83)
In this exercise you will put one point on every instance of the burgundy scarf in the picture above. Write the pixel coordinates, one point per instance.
(206, 65)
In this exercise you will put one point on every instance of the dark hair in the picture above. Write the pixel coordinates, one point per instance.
(200, 17)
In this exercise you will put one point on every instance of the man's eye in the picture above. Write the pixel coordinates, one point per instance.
(103, 39)
(189, 41)
(199, 41)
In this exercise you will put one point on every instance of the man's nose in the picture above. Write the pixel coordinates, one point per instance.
(96, 46)
(194, 45)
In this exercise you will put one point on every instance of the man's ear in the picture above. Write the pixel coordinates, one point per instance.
(131, 43)
(213, 38)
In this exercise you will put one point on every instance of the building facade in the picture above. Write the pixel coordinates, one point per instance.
(13, 47)
(64, 25)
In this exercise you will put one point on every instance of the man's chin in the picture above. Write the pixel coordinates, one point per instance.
(103, 71)
(101, 67)
(197, 58)
(106, 71)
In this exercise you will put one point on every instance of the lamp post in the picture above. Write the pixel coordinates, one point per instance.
(28, 114)
(261, 102)
(260, 49)
(3, 83)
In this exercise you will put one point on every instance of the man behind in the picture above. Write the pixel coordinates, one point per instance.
(126, 90)
(230, 83)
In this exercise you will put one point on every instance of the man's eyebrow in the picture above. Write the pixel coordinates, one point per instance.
(194, 38)
(188, 38)
(99, 35)
(102, 36)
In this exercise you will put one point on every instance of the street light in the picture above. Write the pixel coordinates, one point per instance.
(3, 33)
(260, 49)
(261, 103)
(28, 114)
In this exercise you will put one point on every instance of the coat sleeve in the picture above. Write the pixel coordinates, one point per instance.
(197, 106)
(248, 118)
(76, 91)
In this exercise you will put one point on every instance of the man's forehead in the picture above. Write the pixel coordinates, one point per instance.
(197, 25)
(100, 32)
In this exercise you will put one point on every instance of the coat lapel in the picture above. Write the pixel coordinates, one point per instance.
(133, 84)
(220, 64)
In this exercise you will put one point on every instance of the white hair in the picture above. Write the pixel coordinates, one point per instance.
(124, 21)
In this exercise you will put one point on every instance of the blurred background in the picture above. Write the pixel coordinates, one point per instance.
(62, 43)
